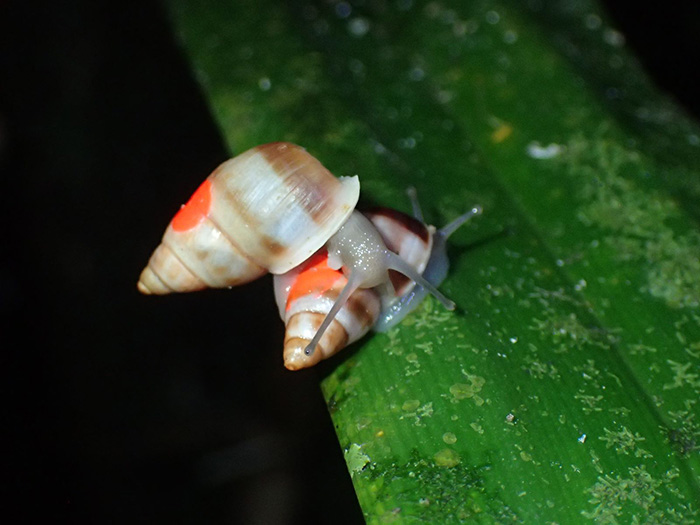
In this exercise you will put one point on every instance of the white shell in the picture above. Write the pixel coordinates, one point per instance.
(268, 209)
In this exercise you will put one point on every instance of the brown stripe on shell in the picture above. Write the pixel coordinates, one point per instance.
(170, 270)
(175, 256)
(222, 273)
(315, 317)
(311, 184)
(272, 246)
(336, 332)
(250, 218)
(357, 305)
(232, 199)
(399, 282)
(410, 223)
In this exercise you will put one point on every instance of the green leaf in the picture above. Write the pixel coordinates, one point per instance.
(565, 387)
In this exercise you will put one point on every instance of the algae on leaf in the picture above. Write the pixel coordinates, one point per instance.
(565, 387)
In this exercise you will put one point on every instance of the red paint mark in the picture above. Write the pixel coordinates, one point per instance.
(196, 209)
(316, 278)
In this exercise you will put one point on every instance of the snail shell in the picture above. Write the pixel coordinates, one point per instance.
(422, 246)
(406, 236)
(305, 296)
(268, 209)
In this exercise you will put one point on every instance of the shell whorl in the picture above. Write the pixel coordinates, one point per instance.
(305, 295)
(406, 236)
(268, 209)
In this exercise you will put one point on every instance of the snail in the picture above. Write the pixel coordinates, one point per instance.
(307, 295)
(270, 209)
(266, 210)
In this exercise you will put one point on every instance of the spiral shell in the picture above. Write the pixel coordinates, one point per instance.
(406, 236)
(268, 209)
(305, 295)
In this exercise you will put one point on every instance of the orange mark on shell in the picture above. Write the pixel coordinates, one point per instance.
(196, 209)
(316, 278)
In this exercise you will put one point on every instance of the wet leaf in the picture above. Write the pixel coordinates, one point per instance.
(565, 387)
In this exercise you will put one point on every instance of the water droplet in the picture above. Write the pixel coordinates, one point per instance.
(592, 21)
(537, 151)
(343, 9)
(407, 143)
(357, 67)
(416, 74)
(492, 17)
(321, 26)
(449, 438)
(613, 37)
(443, 97)
(459, 28)
(379, 148)
(448, 16)
(358, 26)
(447, 458)
(432, 10)
(447, 125)
(410, 405)
(264, 83)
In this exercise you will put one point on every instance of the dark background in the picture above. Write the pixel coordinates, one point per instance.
(119, 408)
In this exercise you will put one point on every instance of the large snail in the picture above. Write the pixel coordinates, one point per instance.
(272, 208)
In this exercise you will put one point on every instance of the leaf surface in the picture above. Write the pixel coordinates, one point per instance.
(565, 387)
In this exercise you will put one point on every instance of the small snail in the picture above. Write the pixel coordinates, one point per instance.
(270, 209)
(307, 295)
(266, 210)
